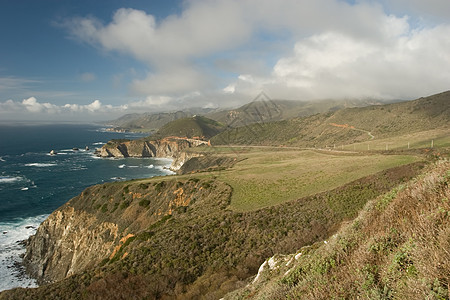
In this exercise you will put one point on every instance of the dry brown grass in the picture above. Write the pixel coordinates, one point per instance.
(397, 248)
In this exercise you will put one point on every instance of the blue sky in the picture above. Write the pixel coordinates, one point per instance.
(90, 60)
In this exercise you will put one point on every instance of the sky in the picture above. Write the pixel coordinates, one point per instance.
(84, 60)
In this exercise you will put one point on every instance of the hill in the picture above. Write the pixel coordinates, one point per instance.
(397, 248)
(196, 126)
(177, 238)
(262, 221)
(265, 110)
(261, 110)
(346, 126)
(151, 122)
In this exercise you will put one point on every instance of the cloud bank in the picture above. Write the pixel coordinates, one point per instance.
(318, 49)
(69, 112)
(224, 52)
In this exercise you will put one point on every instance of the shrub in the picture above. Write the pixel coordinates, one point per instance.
(144, 202)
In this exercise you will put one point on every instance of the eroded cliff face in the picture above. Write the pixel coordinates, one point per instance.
(167, 148)
(170, 148)
(93, 226)
(67, 242)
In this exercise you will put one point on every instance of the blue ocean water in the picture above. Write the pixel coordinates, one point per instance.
(34, 183)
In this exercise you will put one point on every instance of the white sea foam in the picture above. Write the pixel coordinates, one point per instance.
(133, 166)
(9, 179)
(122, 166)
(41, 165)
(1, 159)
(165, 169)
(98, 143)
(150, 166)
(11, 274)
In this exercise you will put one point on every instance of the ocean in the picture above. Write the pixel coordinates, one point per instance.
(34, 183)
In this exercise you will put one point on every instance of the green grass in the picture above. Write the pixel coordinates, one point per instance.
(197, 126)
(417, 140)
(268, 178)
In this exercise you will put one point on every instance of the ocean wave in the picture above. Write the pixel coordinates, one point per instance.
(122, 166)
(9, 179)
(11, 251)
(133, 166)
(98, 143)
(150, 166)
(41, 165)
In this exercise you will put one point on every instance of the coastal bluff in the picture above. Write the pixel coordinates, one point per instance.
(94, 227)
(170, 147)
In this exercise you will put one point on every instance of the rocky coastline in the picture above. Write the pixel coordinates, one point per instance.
(83, 238)
(172, 147)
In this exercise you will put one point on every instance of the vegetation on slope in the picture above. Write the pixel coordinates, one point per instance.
(267, 177)
(347, 126)
(197, 126)
(203, 236)
(189, 249)
(151, 122)
(397, 248)
(262, 110)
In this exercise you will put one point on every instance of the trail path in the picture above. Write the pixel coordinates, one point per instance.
(286, 147)
(353, 128)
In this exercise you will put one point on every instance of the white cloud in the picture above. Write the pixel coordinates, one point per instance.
(88, 77)
(436, 10)
(289, 48)
(336, 65)
(36, 110)
(171, 82)
(230, 89)
(14, 83)
(33, 106)
(150, 102)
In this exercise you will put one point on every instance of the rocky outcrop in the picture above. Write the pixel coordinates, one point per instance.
(141, 148)
(171, 147)
(92, 227)
(181, 159)
(67, 242)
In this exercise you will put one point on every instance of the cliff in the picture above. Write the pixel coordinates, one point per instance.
(176, 238)
(171, 147)
(142, 148)
(67, 242)
(93, 226)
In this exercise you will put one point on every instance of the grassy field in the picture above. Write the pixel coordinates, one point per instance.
(438, 138)
(268, 176)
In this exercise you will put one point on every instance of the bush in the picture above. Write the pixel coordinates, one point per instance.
(144, 202)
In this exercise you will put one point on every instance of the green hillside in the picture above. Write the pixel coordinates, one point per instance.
(197, 126)
(186, 243)
(397, 248)
(347, 126)
(260, 110)
(325, 224)
(150, 122)
(266, 110)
